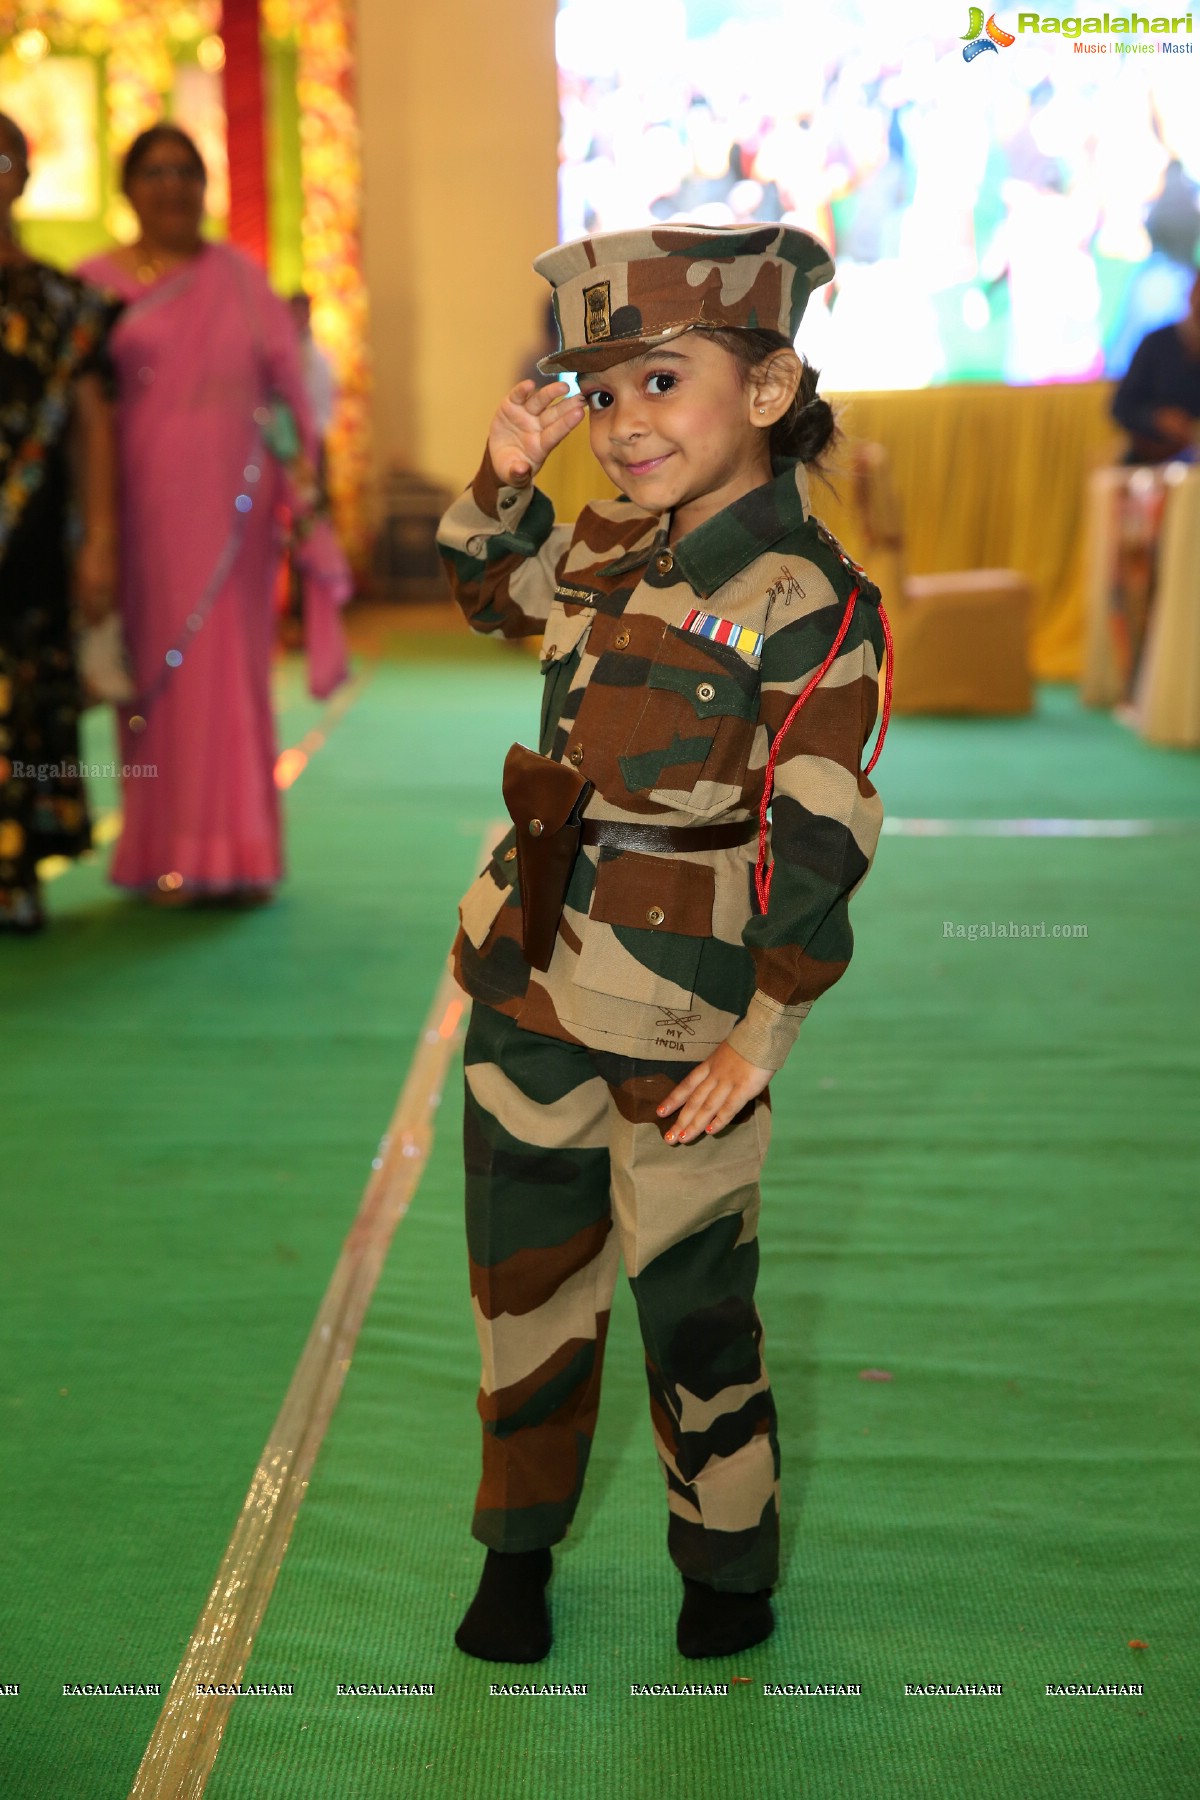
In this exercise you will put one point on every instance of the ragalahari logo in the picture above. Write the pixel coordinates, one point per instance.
(975, 44)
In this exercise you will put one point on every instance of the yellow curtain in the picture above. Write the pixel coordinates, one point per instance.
(988, 477)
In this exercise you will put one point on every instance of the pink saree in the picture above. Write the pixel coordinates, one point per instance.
(197, 354)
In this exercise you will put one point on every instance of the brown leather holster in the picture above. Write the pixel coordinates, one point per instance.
(545, 801)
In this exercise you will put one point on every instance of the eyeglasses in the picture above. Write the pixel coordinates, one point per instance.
(160, 172)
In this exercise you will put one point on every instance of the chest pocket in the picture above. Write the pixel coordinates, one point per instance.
(691, 745)
(562, 650)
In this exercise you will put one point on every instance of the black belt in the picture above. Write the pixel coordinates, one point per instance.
(613, 835)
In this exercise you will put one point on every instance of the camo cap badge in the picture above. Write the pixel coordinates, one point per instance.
(621, 292)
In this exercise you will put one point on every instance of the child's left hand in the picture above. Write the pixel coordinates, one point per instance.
(713, 1094)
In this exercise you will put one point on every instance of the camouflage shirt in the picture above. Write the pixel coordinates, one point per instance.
(667, 672)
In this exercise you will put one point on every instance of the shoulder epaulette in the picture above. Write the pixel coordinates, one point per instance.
(851, 571)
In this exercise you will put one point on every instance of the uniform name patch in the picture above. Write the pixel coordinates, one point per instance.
(725, 631)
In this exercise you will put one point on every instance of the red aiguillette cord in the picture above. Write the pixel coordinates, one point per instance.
(762, 871)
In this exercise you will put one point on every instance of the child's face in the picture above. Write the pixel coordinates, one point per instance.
(674, 428)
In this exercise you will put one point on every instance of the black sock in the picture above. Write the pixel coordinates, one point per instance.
(717, 1624)
(508, 1620)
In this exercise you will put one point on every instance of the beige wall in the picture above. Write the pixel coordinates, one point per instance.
(460, 127)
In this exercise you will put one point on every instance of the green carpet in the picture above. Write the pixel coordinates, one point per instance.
(982, 1183)
(191, 1103)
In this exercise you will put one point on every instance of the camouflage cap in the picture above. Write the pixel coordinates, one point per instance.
(623, 291)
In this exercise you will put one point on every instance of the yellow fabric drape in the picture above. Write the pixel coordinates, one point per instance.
(988, 477)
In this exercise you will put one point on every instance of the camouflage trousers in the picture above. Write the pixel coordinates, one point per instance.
(567, 1172)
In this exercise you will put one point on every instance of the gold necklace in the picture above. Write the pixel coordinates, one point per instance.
(150, 265)
(153, 263)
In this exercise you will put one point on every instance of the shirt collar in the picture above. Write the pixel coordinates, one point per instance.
(722, 547)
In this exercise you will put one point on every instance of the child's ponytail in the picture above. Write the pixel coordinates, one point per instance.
(808, 427)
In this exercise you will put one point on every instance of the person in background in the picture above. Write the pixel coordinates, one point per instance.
(320, 379)
(213, 431)
(56, 446)
(320, 384)
(1158, 401)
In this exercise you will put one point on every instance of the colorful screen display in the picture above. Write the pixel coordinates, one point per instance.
(1009, 197)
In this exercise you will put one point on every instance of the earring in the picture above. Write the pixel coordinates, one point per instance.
(762, 409)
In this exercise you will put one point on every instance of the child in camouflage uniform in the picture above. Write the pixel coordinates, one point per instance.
(617, 1099)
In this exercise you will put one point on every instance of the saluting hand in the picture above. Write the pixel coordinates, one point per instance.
(528, 424)
(713, 1094)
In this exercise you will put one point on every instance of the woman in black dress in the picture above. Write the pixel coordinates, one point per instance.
(56, 447)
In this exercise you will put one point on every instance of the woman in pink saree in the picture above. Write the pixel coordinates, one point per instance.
(204, 353)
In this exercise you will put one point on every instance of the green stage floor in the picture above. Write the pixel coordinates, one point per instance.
(983, 1182)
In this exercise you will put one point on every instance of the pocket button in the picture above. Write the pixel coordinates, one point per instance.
(655, 916)
(706, 691)
(622, 640)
